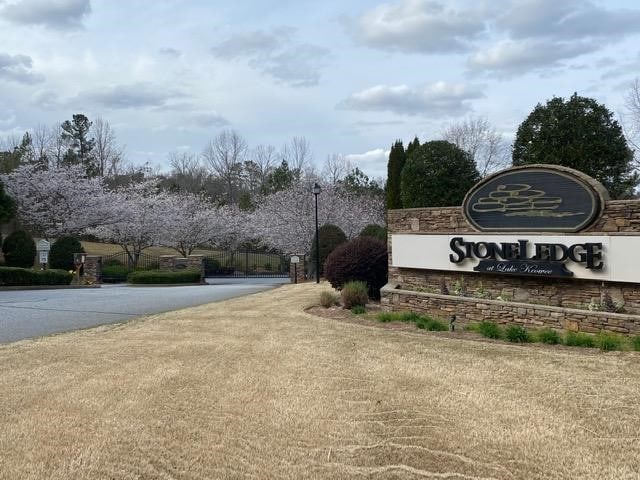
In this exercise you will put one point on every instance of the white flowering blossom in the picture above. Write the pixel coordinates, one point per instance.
(60, 201)
(285, 220)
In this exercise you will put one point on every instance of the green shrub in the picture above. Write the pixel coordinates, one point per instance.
(437, 174)
(431, 324)
(115, 273)
(111, 262)
(214, 267)
(517, 334)
(358, 310)
(548, 336)
(354, 293)
(472, 327)
(62, 250)
(163, 277)
(53, 277)
(330, 237)
(375, 231)
(579, 339)
(19, 250)
(490, 330)
(422, 321)
(364, 259)
(635, 343)
(329, 299)
(609, 341)
(386, 317)
(14, 276)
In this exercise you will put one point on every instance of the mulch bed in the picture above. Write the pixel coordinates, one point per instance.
(369, 320)
(339, 313)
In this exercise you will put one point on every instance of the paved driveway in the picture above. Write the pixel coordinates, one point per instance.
(34, 313)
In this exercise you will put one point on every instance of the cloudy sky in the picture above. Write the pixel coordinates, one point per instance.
(349, 76)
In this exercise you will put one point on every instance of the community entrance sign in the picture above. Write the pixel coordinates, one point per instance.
(510, 206)
(535, 246)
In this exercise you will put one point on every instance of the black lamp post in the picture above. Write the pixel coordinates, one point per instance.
(316, 192)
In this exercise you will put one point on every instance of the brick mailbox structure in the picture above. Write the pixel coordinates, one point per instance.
(524, 249)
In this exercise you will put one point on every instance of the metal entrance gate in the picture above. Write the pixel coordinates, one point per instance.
(246, 264)
(117, 266)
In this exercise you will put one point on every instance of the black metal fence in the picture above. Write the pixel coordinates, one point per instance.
(117, 266)
(246, 264)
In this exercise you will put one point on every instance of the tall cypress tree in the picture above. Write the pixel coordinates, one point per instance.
(397, 159)
(412, 147)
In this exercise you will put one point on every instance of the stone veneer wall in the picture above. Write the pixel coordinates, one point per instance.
(419, 289)
(174, 263)
(92, 269)
(468, 309)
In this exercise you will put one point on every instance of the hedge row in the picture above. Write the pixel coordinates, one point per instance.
(12, 276)
(164, 276)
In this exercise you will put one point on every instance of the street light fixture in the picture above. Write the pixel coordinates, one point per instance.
(316, 192)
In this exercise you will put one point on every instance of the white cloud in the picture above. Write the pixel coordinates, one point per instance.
(170, 52)
(59, 14)
(209, 119)
(440, 98)
(509, 57)
(373, 162)
(276, 53)
(541, 34)
(567, 20)
(136, 95)
(18, 68)
(422, 26)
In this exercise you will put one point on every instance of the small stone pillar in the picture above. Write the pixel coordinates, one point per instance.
(93, 269)
(167, 262)
(296, 270)
(196, 262)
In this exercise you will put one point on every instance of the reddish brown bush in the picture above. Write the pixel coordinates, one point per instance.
(364, 259)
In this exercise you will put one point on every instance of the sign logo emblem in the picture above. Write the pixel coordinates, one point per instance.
(534, 198)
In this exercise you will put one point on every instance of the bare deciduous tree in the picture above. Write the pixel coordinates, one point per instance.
(57, 147)
(187, 172)
(42, 140)
(9, 143)
(632, 119)
(335, 168)
(265, 157)
(298, 154)
(482, 141)
(109, 155)
(224, 156)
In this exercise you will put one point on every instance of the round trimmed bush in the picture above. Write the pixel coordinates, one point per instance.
(19, 250)
(375, 231)
(62, 250)
(364, 259)
(437, 174)
(330, 237)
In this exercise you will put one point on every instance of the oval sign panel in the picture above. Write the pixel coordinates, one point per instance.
(534, 199)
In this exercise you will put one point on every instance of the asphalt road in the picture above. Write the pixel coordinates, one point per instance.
(35, 313)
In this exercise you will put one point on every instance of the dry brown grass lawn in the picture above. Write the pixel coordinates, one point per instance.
(256, 388)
